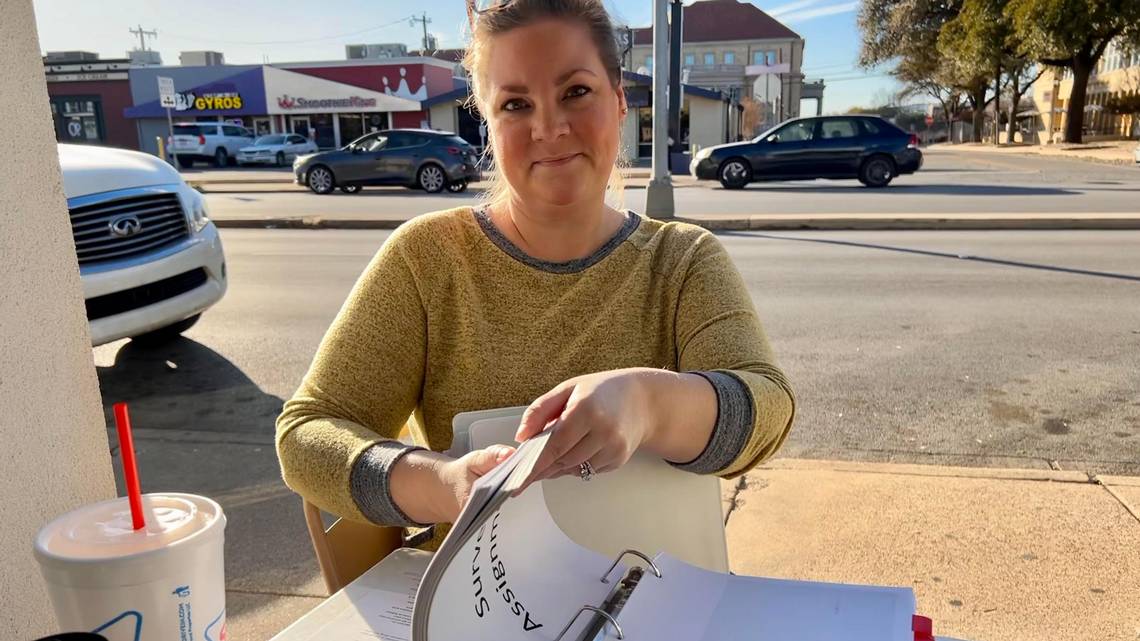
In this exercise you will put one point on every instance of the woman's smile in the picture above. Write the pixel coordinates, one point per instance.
(557, 161)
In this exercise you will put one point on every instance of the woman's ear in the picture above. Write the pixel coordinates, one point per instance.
(623, 107)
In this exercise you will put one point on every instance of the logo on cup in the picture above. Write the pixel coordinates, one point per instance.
(182, 592)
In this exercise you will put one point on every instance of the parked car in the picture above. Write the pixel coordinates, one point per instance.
(150, 259)
(276, 149)
(864, 147)
(416, 158)
(207, 141)
(1136, 154)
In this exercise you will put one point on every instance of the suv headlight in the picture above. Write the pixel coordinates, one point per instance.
(196, 213)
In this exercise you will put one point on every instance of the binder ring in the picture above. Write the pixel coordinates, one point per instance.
(600, 612)
(652, 565)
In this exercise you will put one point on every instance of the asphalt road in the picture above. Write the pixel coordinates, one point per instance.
(898, 347)
(950, 182)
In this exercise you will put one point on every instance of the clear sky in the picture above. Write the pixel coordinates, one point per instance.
(255, 31)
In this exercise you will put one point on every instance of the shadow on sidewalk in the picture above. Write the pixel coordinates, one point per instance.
(913, 190)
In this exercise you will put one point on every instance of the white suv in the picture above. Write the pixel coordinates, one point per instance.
(208, 141)
(150, 259)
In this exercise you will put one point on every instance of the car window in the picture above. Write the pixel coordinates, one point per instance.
(839, 128)
(456, 140)
(296, 140)
(397, 139)
(415, 140)
(236, 132)
(270, 140)
(800, 131)
(187, 130)
(375, 143)
(871, 127)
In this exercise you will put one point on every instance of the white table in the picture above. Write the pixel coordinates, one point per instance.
(393, 574)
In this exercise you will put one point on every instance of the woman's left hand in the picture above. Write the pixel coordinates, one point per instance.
(602, 418)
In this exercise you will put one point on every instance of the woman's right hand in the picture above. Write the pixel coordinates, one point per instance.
(459, 475)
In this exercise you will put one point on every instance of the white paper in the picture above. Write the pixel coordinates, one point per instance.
(517, 578)
(692, 604)
(374, 614)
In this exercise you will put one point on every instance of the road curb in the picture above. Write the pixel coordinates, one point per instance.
(754, 224)
(944, 471)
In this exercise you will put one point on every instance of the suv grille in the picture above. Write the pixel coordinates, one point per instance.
(160, 222)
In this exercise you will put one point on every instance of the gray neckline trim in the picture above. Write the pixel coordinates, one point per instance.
(632, 221)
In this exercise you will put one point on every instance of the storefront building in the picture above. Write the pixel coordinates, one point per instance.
(87, 102)
(331, 103)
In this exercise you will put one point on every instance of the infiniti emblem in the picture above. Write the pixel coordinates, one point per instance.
(124, 226)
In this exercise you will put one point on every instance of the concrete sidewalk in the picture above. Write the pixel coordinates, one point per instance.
(992, 554)
(1111, 152)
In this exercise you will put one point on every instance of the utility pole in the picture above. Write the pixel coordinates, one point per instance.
(425, 21)
(141, 33)
(675, 13)
(659, 196)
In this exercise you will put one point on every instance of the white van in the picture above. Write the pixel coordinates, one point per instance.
(150, 259)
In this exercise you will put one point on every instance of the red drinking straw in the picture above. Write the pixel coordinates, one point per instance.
(130, 469)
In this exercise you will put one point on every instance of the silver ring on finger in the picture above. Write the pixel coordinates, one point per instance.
(585, 471)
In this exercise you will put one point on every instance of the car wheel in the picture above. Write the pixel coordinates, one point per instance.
(280, 159)
(431, 179)
(221, 158)
(321, 180)
(877, 171)
(735, 173)
(457, 186)
(350, 189)
(166, 334)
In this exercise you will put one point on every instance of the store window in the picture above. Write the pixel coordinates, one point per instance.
(710, 58)
(78, 119)
(690, 59)
(757, 57)
(649, 62)
(322, 124)
(772, 57)
(729, 58)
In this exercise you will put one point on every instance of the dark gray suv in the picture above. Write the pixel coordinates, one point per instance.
(416, 158)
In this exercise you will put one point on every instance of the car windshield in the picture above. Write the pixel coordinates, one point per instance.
(270, 140)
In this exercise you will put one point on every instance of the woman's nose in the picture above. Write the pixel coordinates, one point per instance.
(549, 123)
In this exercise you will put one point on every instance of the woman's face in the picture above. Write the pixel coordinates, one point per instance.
(553, 113)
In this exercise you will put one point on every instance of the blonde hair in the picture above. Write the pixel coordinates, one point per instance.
(519, 13)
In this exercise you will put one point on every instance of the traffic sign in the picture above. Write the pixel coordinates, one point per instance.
(166, 92)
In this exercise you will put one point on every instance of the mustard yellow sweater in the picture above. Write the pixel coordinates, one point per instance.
(451, 317)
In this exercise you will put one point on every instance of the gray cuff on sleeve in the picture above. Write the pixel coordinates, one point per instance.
(369, 483)
(734, 422)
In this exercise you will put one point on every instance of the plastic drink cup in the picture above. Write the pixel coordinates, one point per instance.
(164, 582)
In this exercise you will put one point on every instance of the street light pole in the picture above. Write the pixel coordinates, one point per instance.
(659, 196)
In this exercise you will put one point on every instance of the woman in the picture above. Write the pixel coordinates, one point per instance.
(620, 332)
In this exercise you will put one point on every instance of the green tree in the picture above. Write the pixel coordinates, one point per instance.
(981, 41)
(1073, 34)
(907, 33)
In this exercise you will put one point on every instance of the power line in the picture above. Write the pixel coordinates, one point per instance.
(291, 41)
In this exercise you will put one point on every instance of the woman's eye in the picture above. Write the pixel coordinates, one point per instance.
(577, 91)
(514, 104)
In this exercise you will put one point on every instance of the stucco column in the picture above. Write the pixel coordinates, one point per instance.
(55, 455)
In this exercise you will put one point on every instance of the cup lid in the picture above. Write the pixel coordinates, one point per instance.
(104, 530)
